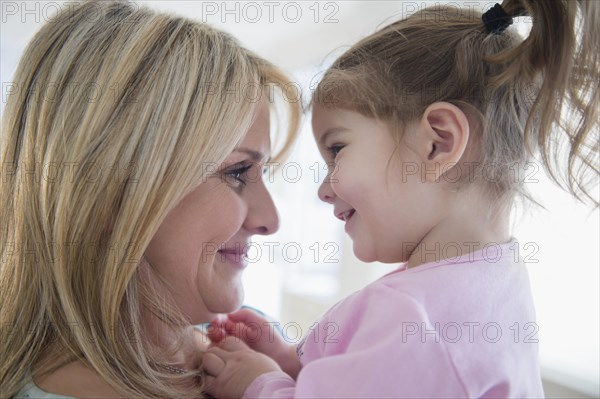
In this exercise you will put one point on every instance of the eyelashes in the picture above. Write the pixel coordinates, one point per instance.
(237, 175)
(334, 150)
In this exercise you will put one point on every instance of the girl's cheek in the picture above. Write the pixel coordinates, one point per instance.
(344, 185)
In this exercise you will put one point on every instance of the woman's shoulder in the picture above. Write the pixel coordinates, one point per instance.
(73, 380)
(31, 390)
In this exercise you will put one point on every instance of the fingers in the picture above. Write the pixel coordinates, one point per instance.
(231, 367)
(227, 345)
(209, 384)
(216, 333)
(231, 327)
(245, 316)
(248, 333)
(220, 328)
(232, 344)
(241, 330)
(245, 324)
(212, 364)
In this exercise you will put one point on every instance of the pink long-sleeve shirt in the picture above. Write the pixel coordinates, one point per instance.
(449, 329)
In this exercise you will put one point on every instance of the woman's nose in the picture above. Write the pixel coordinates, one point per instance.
(325, 191)
(262, 215)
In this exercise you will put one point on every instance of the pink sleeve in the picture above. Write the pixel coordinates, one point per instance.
(276, 384)
(371, 357)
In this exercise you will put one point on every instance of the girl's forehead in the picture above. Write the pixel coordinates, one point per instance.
(322, 116)
(326, 119)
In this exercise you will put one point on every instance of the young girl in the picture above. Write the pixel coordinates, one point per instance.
(428, 125)
(104, 274)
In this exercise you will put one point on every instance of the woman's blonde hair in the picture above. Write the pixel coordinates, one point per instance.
(523, 96)
(120, 112)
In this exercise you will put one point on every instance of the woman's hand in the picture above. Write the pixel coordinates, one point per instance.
(232, 366)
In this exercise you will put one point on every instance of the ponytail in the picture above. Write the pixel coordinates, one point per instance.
(564, 51)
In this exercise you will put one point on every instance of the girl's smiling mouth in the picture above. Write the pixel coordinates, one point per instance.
(345, 215)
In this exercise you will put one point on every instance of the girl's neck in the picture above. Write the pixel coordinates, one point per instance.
(467, 227)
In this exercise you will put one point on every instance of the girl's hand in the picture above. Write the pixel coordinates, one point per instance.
(259, 334)
(232, 366)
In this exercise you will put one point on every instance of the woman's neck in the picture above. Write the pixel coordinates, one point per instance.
(76, 379)
(187, 340)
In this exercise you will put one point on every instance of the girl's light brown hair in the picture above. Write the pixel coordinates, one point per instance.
(524, 98)
(120, 112)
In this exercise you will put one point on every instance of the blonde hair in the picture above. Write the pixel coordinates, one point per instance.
(120, 112)
(523, 96)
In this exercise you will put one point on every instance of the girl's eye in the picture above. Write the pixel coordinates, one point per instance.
(335, 149)
(236, 176)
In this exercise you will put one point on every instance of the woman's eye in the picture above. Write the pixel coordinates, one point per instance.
(236, 176)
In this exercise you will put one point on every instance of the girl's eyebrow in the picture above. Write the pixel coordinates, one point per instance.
(332, 130)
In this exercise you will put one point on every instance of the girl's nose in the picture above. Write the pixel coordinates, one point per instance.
(325, 192)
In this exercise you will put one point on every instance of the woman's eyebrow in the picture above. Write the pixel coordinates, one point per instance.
(255, 155)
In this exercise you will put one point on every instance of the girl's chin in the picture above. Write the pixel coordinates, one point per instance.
(362, 255)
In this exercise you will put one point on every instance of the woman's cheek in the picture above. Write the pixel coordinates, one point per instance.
(233, 213)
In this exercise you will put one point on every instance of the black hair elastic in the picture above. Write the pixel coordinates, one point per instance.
(496, 20)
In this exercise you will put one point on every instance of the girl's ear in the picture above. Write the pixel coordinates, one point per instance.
(444, 134)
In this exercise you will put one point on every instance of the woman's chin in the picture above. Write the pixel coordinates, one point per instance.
(229, 305)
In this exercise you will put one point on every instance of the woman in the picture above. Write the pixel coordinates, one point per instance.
(129, 190)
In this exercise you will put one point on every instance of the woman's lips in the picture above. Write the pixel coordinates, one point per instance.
(237, 256)
(349, 219)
